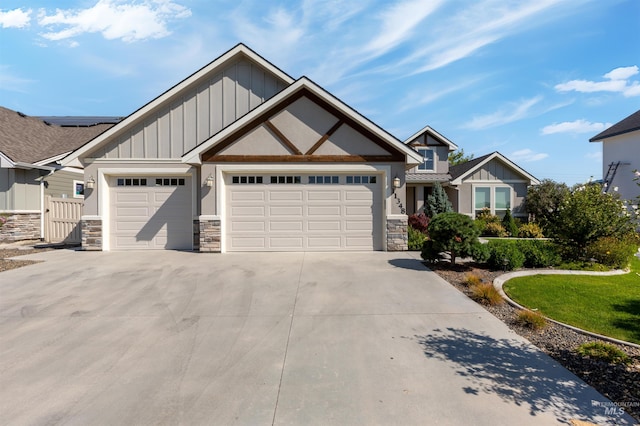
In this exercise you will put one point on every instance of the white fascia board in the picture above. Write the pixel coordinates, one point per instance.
(193, 156)
(532, 180)
(137, 116)
(6, 162)
(434, 133)
(29, 166)
(53, 159)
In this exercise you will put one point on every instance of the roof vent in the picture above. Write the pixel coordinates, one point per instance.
(21, 114)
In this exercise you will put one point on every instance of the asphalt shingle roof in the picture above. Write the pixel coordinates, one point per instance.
(29, 139)
(427, 177)
(460, 169)
(626, 125)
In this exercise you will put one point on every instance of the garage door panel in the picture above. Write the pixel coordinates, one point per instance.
(358, 211)
(289, 225)
(132, 212)
(131, 197)
(247, 243)
(285, 196)
(324, 195)
(251, 211)
(358, 196)
(295, 211)
(324, 211)
(324, 225)
(324, 242)
(358, 242)
(289, 243)
(248, 196)
(362, 225)
(249, 226)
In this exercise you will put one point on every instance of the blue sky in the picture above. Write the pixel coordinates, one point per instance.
(533, 79)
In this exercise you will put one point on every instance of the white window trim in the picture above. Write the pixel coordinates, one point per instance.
(492, 197)
(73, 189)
(434, 160)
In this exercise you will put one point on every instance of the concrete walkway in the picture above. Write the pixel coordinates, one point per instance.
(266, 338)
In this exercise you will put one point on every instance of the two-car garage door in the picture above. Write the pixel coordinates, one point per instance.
(303, 212)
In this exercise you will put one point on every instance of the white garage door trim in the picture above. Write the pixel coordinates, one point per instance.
(303, 212)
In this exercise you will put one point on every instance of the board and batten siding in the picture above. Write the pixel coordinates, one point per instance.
(60, 183)
(199, 112)
(19, 190)
(494, 170)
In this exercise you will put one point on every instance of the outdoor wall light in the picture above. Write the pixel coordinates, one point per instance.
(90, 183)
(396, 182)
(209, 181)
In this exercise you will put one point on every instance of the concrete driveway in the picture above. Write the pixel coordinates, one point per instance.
(267, 338)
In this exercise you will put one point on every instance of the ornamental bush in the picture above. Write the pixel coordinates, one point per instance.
(530, 230)
(539, 253)
(509, 224)
(416, 239)
(451, 233)
(437, 202)
(505, 255)
(419, 222)
(613, 252)
(494, 229)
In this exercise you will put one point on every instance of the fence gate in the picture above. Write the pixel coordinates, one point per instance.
(62, 220)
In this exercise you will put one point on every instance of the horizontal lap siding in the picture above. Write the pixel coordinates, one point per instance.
(196, 114)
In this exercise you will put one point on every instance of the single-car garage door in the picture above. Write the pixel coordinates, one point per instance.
(303, 212)
(151, 213)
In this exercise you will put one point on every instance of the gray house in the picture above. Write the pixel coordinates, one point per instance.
(491, 181)
(240, 156)
(621, 156)
(30, 150)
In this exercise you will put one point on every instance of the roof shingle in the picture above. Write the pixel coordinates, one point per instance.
(29, 139)
(626, 125)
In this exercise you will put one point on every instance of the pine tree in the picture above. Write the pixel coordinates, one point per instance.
(437, 202)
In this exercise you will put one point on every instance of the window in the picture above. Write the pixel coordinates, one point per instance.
(325, 180)
(286, 179)
(502, 201)
(78, 189)
(361, 179)
(133, 182)
(168, 181)
(246, 179)
(427, 155)
(496, 199)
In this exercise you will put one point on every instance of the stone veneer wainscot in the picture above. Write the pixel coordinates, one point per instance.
(20, 226)
(210, 234)
(397, 236)
(91, 234)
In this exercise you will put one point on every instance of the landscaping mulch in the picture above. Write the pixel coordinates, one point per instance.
(6, 263)
(619, 383)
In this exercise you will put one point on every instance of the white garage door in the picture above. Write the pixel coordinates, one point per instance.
(151, 213)
(303, 213)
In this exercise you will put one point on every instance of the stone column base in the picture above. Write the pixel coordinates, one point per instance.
(397, 237)
(91, 234)
(210, 234)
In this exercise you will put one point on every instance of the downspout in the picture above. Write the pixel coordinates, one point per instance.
(42, 210)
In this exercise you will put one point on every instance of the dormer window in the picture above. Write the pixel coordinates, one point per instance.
(428, 163)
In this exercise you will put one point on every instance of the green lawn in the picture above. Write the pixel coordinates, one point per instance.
(605, 305)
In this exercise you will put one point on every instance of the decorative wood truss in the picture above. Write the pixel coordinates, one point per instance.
(216, 154)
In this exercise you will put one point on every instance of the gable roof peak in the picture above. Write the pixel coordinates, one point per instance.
(434, 134)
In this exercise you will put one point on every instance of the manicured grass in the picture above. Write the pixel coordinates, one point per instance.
(607, 305)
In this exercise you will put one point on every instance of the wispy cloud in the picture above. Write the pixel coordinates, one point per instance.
(114, 19)
(510, 113)
(398, 23)
(527, 155)
(617, 80)
(16, 18)
(577, 126)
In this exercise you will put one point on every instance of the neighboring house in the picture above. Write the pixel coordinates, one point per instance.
(241, 157)
(621, 156)
(491, 181)
(30, 149)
